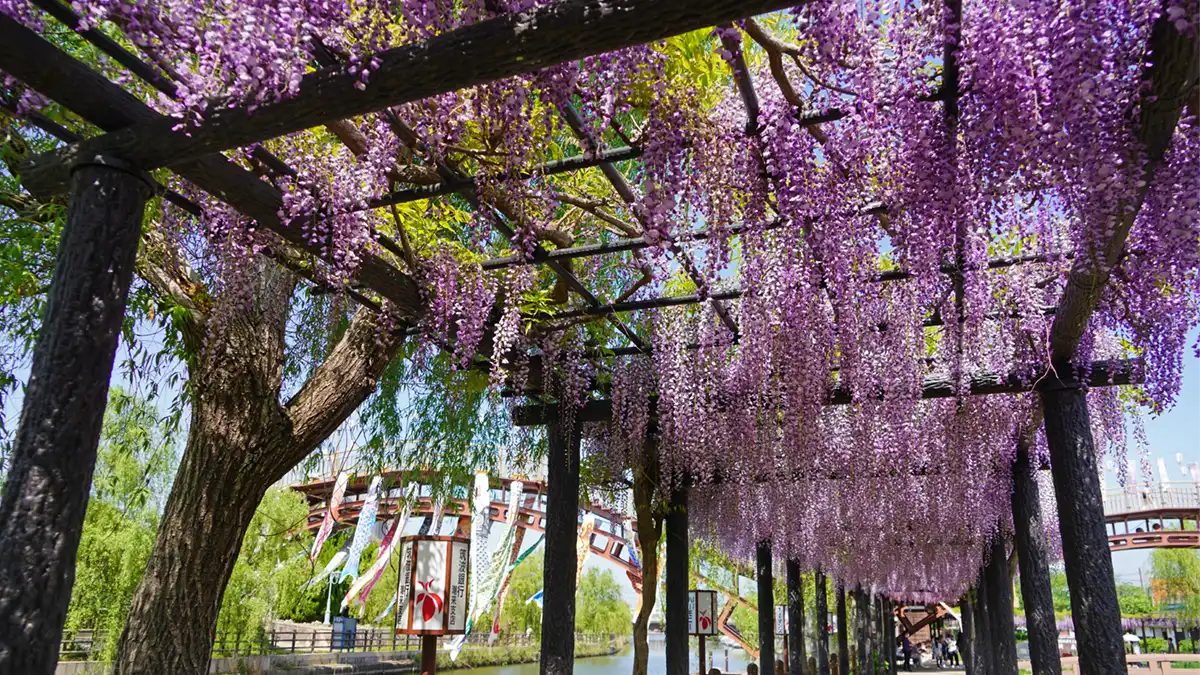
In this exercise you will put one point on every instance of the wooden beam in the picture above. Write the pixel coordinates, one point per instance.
(1102, 374)
(764, 575)
(676, 596)
(562, 524)
(41, 65)
(1029, 537)
(486, 51)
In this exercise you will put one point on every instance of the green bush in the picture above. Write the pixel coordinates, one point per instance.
(1156, 646)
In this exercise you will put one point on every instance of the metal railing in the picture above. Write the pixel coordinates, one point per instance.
(88, 645)
(1151, 496)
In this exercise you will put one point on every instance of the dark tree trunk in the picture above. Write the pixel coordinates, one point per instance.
(843, 632)
(766, 607)
(1000, 608)
(797, 659)
(984, 639)
(46, 492)
(862, 629)
(677, 584)
(1030, 540)
(1088, 560)
(645, 481)
(562, 529)
(822, 609)
(966, 645)
(880, 634)
(241, 440)
(889, 641)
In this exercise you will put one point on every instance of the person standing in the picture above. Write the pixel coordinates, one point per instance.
(952, 650)
(907, 649)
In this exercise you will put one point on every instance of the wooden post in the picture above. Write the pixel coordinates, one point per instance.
(429, 654)
(702, 659)
(822, 610)
(862, 623)
(1030, 541)
(1000, 610)
(1094, 607)
(843, 631)
(797, 659)
(54, 454)
(676, 619)
(890, 636)
(880, 635)
(983, 651)
(766, 605)
(966, 650)
(562, 529)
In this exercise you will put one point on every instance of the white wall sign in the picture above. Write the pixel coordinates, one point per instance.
(702, 612)
(780, 620)
(432, 594)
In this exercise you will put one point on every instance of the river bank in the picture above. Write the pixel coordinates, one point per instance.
(482, 656)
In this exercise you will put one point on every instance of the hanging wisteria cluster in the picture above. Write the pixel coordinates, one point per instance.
(861, 260)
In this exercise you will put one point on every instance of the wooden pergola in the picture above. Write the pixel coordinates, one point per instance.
(107, 180)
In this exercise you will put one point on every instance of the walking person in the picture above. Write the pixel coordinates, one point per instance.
(952, 650)
(907, 649)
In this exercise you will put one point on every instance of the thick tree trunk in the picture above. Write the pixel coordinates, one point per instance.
(1088, 560)
(843, 632)
(862, 629)
(984, 649)
(562, 528)
(1030, 540)
(822, 610)
(797, 659)
(241, 440)
(1000, 607)
(677, 656)
(46, 492)
(766, 607)
(645, 482)
(966, 648)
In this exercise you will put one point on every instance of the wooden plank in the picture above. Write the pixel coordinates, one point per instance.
(1102, 374)
(29, 58)
(483, 52)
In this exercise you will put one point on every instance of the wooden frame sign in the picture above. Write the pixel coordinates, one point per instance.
(702, 612)
(431, 597)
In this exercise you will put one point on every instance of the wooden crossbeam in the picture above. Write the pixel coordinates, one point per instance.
(486, 51)
(53, 73)
(1115, 372)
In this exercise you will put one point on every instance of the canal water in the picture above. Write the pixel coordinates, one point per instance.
(622, 663)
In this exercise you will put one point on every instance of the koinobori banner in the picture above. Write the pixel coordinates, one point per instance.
(362, 532)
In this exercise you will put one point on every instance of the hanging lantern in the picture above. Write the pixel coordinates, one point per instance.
(432, 591)
(702, 612)
(781, 627)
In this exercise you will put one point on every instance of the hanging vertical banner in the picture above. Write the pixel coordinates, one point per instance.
(781, 627)
(362, 531)
(331, 512)
(339, 493)
(511, 545)
(363, 586)
(584, 544)
(496, 568)
(334, 563)
(481, 529)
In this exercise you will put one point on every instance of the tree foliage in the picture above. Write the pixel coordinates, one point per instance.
(1178, 573)
(599, 605)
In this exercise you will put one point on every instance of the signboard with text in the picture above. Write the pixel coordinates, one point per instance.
(432, 593)
(702, 612)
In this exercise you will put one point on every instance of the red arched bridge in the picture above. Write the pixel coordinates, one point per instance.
(1153, 515)
(608, 539)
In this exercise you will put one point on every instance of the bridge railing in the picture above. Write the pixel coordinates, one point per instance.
(1150, 496)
